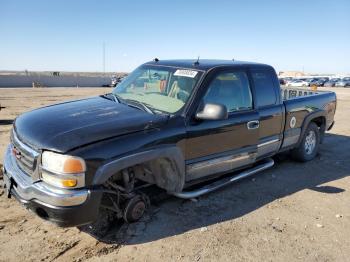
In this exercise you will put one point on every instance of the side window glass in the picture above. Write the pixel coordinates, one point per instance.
(264, 88)
(230, 89)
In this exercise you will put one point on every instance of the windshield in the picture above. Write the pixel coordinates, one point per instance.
(164, 89)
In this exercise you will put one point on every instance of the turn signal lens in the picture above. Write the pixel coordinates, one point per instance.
(59, 181)
(73, 165)
(69, 182)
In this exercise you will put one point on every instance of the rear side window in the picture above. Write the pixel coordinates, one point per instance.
(230, 89)
(264, 88)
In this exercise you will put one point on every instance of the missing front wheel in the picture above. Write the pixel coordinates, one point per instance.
(124, 198)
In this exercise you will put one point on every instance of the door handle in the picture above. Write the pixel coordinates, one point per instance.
(253, 124)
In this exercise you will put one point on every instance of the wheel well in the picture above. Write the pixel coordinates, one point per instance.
(165, 163)
(319, 121)
(160, 171)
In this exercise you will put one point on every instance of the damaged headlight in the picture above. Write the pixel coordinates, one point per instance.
(63, 170)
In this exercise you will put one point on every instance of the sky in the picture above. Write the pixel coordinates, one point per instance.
(66, 35)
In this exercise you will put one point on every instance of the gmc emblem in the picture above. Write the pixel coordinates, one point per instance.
(16, 153)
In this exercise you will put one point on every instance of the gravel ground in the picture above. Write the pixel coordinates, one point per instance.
(291, 212)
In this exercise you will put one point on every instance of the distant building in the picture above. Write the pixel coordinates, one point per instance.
(291, 74)
(303, 75)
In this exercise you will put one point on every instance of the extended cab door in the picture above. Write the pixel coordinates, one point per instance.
(271, 111)
(217, 146)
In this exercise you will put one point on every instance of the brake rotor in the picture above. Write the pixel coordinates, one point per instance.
(134, 209)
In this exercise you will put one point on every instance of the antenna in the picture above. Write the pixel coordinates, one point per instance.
(197, 62)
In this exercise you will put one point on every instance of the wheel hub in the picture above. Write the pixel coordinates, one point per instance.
(138, 210)
(134, 210)
(310, 142)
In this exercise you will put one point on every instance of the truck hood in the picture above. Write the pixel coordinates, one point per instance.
(69, 125)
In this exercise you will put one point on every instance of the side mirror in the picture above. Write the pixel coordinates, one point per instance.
(213, 112)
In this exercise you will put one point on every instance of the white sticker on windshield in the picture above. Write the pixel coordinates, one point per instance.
(186, 73)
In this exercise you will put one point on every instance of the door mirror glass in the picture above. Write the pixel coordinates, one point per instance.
(213, 112)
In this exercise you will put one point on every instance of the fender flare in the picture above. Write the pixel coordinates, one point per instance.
(307, 120)
(171, 153)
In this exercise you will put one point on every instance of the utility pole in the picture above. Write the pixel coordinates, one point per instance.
(104, 57)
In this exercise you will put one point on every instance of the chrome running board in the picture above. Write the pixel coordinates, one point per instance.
(225, 181)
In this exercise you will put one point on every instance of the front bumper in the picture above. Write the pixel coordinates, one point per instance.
(63, 207)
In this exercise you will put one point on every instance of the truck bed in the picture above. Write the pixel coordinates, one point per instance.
(301, 102)
(291, 93)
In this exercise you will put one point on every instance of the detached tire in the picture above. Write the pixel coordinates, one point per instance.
(309, 145)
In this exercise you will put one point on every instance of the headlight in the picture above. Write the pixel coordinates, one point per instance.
(63, 170)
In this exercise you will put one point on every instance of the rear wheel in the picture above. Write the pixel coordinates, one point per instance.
(309, 145)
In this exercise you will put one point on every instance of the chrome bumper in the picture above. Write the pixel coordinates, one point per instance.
(39, 191)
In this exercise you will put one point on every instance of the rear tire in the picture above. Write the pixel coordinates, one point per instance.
(309, 145)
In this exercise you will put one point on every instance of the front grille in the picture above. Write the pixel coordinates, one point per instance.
(26, 157)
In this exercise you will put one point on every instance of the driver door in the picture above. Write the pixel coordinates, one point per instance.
(219, 146)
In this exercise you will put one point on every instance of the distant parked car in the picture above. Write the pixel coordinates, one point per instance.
(331, 82)
(298, 83)
(114, 81)
(282, 81)
(288, 80)
(343, 83)
(318, 82)
(309, 80)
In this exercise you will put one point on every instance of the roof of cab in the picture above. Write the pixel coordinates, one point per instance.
(203, 64)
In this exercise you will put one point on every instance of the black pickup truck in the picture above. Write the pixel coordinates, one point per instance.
(178, 126)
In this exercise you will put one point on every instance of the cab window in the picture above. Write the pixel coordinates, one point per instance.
(230, 89)
(264, 88)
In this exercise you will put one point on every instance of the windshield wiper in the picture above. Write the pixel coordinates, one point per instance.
(131, 102)
(115, 97)
(140, 105)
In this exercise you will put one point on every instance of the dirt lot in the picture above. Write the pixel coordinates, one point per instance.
(292, 212)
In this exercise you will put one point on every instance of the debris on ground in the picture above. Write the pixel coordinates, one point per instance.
(203, 229)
